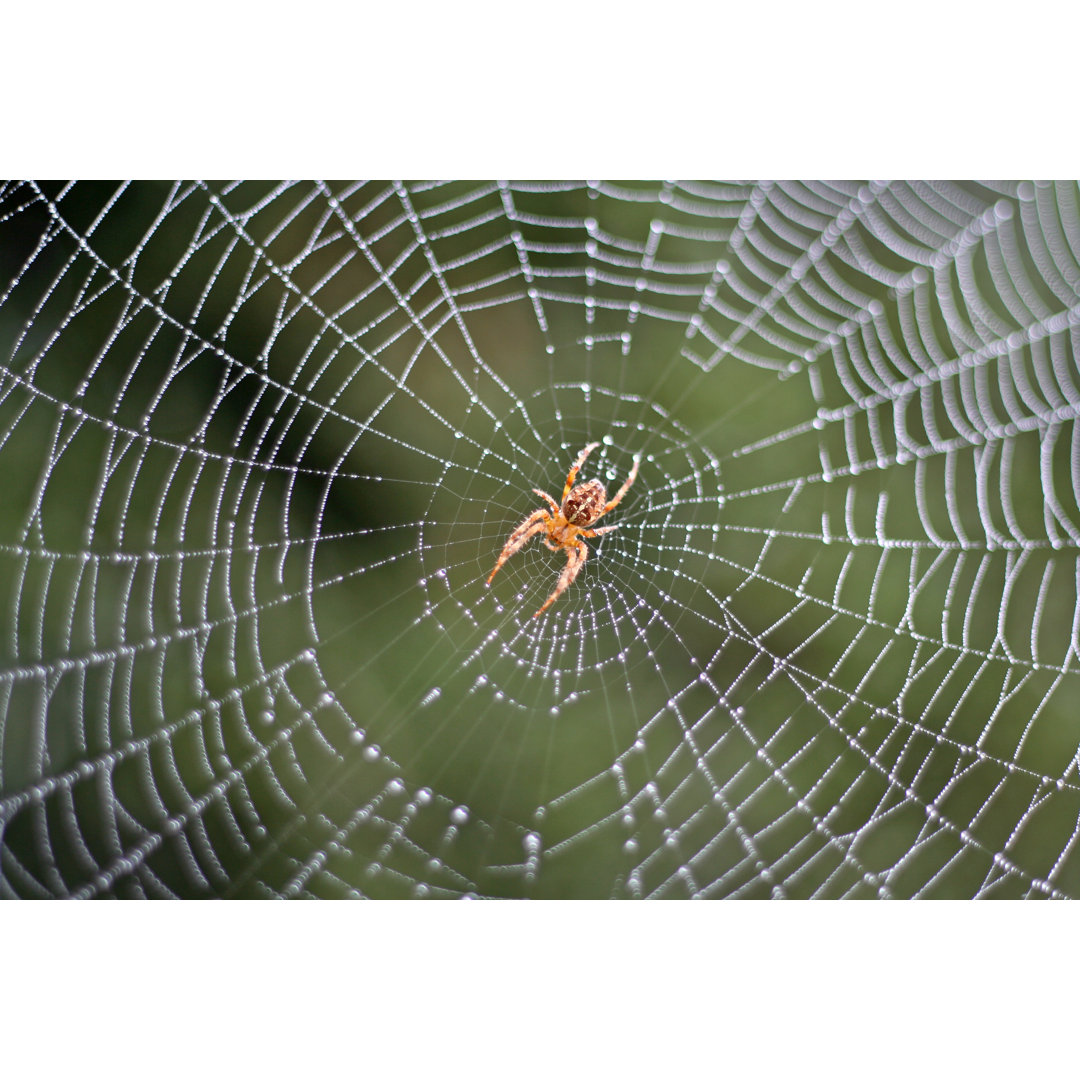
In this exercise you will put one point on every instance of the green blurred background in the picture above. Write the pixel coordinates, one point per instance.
(263, 442)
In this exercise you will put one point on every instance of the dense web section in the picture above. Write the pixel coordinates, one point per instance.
(261, 445)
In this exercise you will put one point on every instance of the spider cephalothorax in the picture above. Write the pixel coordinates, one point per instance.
(581, 507)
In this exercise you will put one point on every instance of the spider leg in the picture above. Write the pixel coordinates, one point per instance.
(623, 490)
(596, 532)
(550, 501)
(536, 522)
(575, 560)
(572, 475)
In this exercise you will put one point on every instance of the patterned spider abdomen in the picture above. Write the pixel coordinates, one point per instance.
(584, 503)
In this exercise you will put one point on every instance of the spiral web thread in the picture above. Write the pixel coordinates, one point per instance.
(262, 444)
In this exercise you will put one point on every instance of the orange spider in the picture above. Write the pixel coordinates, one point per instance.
(581, 507)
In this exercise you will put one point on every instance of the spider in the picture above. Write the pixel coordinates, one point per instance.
(581, 507)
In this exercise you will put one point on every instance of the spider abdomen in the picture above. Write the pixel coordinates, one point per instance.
(585, 503)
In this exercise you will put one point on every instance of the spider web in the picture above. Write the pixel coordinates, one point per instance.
(262, 444)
